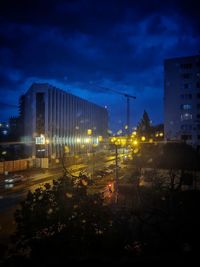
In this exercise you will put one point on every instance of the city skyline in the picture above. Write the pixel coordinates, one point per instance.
(81, 45)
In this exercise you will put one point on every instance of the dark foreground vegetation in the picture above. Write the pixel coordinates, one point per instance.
(63, 224)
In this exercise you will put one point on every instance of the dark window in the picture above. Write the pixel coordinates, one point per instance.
(186, 75)
(198, 95)
(186, 96)
(198, 137)
(198, 106)
(186, 86)
(186, 127)
(198, 116)
(198, 84)
(186, 66)
(40, 113)
(186, 137)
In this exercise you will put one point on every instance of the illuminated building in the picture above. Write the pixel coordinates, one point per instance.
(182, 99)
(55, 119)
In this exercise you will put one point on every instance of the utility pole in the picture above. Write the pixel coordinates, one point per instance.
(116, 174)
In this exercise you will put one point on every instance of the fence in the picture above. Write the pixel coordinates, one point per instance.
(14, 165)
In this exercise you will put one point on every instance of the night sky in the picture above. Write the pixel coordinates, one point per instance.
(80, 45)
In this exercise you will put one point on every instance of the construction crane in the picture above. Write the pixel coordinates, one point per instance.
(127, 127)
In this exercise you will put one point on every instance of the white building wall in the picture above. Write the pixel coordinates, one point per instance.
(67, 118)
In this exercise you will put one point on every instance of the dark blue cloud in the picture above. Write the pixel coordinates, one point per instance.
(79, 44)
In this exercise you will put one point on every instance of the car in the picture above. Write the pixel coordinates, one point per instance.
(14, 179)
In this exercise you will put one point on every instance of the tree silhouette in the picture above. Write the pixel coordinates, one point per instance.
(144, 126)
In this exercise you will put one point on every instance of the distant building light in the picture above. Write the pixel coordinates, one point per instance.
(7, 125)
(87, 140)
(5, 132)
(40, 140)
(89, 131)
(100, 138)
(47, 141)
(40, 150)
(4, 153)
(143, 138)
(135, 142)
(119, 132)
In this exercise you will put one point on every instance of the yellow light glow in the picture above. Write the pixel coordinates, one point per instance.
(161, 134)
(156, 135)
(143, 138)
(126, 127)
(89, 131)
(78, 140)
(151, 140)
(47, 141)
(100, 138)
(113, 139)
(88, 140)
(66, 149)
(134, 133)
(135, 142)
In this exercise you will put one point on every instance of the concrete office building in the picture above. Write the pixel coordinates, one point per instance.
(56, 120)
(182, 99)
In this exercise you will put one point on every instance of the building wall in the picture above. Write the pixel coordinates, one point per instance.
(182, 99)
(67, 119)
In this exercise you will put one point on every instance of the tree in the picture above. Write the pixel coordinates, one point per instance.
(63, 223)
(144, 126)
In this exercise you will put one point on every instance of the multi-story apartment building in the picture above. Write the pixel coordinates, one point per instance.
(182, 99)
(55, 120)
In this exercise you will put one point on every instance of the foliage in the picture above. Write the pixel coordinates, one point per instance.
(144, 126)
(63, 222)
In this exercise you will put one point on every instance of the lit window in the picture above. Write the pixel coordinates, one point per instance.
(186, 116)
(5, 132)
(186, 106)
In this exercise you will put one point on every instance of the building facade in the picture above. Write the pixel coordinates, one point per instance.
(182, 99)
(56, 122)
